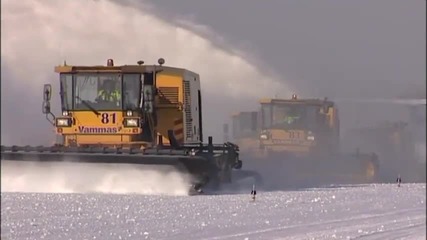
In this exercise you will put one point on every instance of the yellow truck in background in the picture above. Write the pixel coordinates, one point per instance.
(300, 138)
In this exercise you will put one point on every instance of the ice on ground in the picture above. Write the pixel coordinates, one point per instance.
(344, 212)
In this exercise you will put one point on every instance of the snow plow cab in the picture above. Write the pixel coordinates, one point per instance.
(131, 114)
(300, 138)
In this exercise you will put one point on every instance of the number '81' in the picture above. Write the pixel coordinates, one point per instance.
(108, 118)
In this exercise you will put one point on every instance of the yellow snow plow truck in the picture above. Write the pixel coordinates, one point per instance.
(132, 114)
(298, 139)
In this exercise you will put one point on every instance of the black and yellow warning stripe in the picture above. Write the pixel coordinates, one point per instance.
(178, 130)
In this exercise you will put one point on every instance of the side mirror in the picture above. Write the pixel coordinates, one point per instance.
(47, 92)
(46, 107)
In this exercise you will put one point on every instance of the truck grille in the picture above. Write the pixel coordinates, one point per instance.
(187, 109)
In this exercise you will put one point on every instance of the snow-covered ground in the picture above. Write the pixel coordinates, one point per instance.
(346, 212)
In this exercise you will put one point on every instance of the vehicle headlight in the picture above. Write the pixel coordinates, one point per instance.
(63, 122)
(64, 113)
(129, 113)
(263, 136)
(311, 138)
(131, 122)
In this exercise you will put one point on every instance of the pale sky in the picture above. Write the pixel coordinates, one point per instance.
(325, 47)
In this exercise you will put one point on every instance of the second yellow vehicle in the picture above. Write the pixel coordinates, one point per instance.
(296, 142)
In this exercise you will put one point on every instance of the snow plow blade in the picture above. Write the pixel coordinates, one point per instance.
(101, 155)
(201, 163)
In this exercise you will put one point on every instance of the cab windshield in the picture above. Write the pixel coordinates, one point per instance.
(291, 116)
(100, 91)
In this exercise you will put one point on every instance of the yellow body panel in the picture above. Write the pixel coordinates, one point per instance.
(106, 128)
(169, 104)
(294, 141)
(291, 136)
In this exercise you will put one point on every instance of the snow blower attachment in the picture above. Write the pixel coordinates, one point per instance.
(299, 139)
(132, 114)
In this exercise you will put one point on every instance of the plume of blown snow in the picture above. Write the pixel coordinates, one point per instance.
(84, 178)
(39, 34)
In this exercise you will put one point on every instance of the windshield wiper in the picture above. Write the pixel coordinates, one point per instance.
(87, 104)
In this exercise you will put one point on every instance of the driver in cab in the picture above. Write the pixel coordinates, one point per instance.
(292, 116)
(109, 93)
(287, 117)
(291, 119)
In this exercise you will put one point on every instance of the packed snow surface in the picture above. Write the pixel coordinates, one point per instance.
(381, 211)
